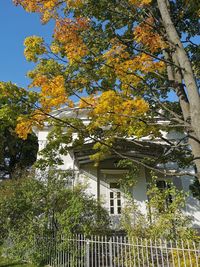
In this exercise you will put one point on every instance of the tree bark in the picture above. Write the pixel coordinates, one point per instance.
(184, 76)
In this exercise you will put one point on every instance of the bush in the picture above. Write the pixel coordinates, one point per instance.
(32, 210)
(164, 219)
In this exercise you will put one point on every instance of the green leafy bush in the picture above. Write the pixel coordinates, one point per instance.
(165, 217)
(33, 211)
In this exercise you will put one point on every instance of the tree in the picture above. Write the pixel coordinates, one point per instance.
(16, 154)
(130, 53)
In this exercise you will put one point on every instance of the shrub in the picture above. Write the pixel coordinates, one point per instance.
(165, 217)
(32, 210)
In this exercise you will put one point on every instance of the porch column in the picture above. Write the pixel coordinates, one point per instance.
(98, 183)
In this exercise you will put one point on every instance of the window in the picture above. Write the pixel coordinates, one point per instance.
(163, 185)
(118, 202)
(112, 203)
(115, 199)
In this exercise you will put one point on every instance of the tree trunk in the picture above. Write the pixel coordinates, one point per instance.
(193, 105)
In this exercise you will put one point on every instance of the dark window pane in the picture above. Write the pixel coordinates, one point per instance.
(170, 200)
(119, 210)
(161, 184)
(114, 185)
(112, 202)
(118, 194)
(111, 194)
(119, 202)
(111, 210)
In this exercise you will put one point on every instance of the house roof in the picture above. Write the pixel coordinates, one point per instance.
(127, 148)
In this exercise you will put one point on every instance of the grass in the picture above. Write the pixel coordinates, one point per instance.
(5, 262)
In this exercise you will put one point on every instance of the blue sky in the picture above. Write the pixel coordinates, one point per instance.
(16, 25)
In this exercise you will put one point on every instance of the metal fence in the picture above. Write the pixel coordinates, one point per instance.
(103, 251)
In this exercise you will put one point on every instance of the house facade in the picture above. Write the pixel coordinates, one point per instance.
(103, 181)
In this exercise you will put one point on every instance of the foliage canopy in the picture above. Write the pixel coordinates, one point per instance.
(126, 56)
(16, 155)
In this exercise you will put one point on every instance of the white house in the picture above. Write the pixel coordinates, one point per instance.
(102, 180)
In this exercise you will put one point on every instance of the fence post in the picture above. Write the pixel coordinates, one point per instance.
(110, 251)
(87, 264)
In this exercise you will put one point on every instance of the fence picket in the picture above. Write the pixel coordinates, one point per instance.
(147, 252)
(194, 245)
(178, 256)
(151, 248)
(161, 252)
